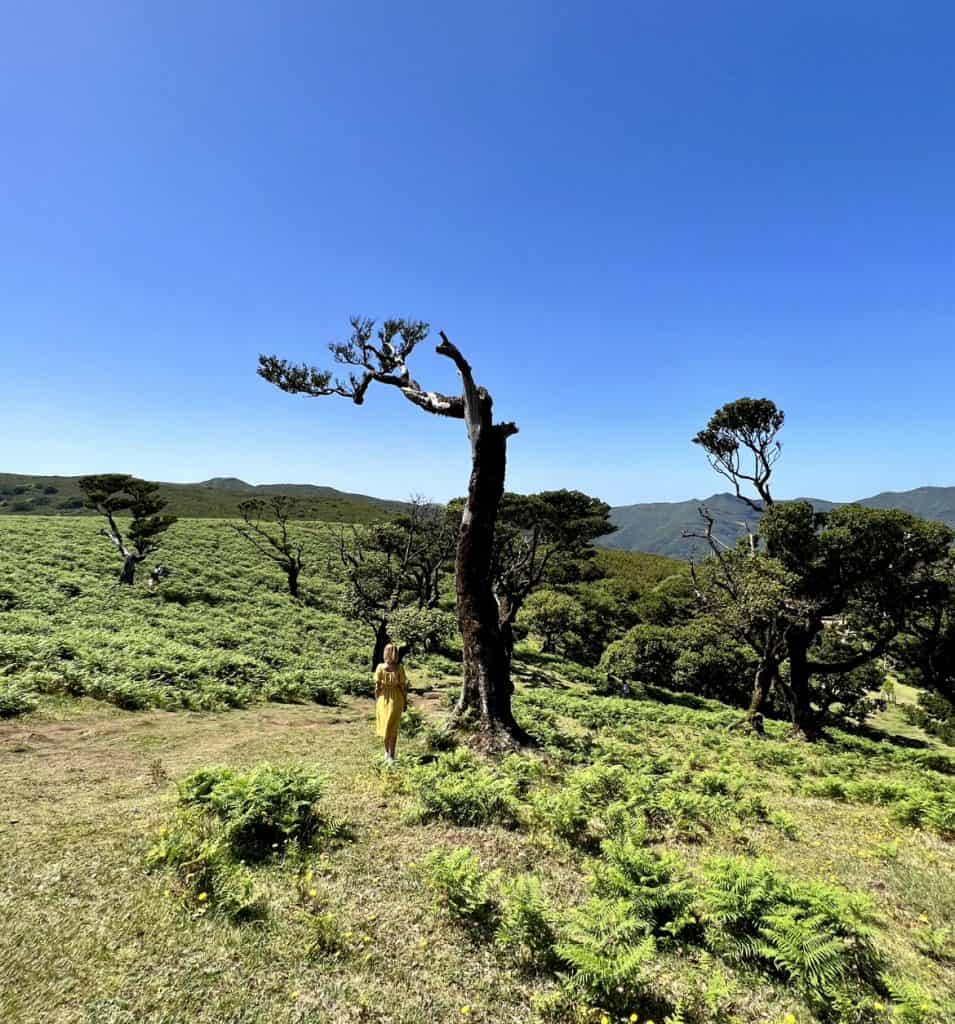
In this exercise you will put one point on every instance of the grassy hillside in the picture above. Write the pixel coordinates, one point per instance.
(648, 862)
(217, 498)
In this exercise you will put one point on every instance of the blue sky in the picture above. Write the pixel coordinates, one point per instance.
(625, 214)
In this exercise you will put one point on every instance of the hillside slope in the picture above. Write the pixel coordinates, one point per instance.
(22, 494)
(657, 527)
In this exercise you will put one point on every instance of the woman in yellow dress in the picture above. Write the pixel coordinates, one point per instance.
(391, 699)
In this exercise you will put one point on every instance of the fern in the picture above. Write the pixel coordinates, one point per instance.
(646, 881)
(606, 952)
(527, 921)
(912, 1004)
(461, 886)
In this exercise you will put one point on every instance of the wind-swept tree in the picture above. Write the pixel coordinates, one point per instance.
(112, 494)
(265, 525)
(834, 588)
(381, 357)
(741, 444)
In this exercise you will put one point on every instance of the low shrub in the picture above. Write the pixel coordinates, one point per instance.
(15, 699)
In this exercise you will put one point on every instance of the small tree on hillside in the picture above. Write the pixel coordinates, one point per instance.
(112, 494)
(396, 564)
(265, 525)
(749, 595)
(542, 538)
(382, 358)
(741, 444)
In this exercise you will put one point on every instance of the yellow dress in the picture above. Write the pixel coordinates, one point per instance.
(392, 688)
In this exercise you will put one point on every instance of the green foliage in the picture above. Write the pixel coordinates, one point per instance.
(261, 811)
(697, 657)
(297, 686)
(556, 618)
(225, 819)
(912, 1003)
(461, 887)
(527, 922)
(648, 882)
(219, 635)
(817, 936)
(15, 698)
(457, 787)
(606, 955)
(423, 629)
(647, 654)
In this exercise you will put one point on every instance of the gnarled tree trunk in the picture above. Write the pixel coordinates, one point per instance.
(804, 718)
(293, 572)
(487, 689)
(765, 674)
(507, 610)
(128, 575)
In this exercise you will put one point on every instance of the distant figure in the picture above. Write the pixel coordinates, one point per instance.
(888, 688)
(157, 576)
(391, 700)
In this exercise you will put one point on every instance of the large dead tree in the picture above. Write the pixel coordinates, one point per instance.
(381, 357)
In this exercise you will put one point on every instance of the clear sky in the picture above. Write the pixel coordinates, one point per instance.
(625, 214)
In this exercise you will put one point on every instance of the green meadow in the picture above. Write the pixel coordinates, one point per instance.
(196, 824)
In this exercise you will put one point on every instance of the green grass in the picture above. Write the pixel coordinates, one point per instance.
(637, 803)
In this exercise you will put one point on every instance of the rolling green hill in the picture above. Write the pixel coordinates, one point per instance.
(657, 527)
(216, 498)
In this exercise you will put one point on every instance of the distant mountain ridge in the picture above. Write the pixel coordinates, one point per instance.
(23, 494)
(657, 527)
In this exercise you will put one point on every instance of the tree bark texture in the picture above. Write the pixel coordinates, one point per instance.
(487, 689)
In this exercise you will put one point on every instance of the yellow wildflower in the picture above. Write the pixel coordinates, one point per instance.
(465, 1010)
(313, 893)
(202, 896)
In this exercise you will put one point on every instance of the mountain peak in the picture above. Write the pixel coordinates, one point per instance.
(226, 483)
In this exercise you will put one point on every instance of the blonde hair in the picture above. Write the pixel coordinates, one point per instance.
(391, 654)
